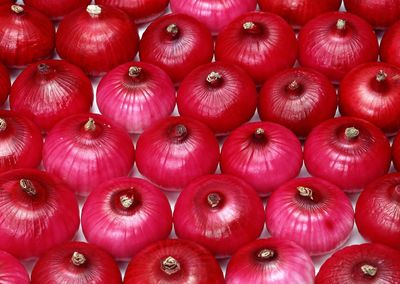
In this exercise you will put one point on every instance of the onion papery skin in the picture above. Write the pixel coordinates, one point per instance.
(20, 142)
(396, 152)
(97, 39)
(372, 92)
(312, 212)
(346, 265)
(350, 163)
(333, 47)
(38, 211)
(50, 90)
(286, 263)
(258, 151)
(176, 150)
(177, 43)
(220, 95)
(390, 45)
(136, 95)
(12, 271)
(85, 158)
(261, 43)
(56, 9)
(55, 266)
(299, 99)
(26, 36)
(5, 84)
(193, 264)
(220, 212)
(378, 211)
(124, 215)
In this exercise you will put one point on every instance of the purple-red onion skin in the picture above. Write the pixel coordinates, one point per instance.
(223, 105)
(5, 84)
(349, 163)
(396, 152)
(263, 51)
(122, 231)
(390, 45)
(136, 103)
(290, 264)
(236, 220)
(56, 9)
(197, 265)
(265, 162)
(12, 271)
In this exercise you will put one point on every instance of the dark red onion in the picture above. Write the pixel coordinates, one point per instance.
(57, 9)
(390, 45)
(396, 152)
(5, 84)
(11, 270)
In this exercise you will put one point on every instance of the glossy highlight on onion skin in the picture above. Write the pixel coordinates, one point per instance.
(56, 9)
(12, 271)
(5, 84)
(396, 152)
(390, 45)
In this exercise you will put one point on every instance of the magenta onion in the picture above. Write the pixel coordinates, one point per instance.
(76, 262)
(56, 9)
(349, 152)
(261, 43)
(264, 154)
(124, 215)
(50, 90)
(177, 43)
(174, 261)
(5, 84)
(85, 150)
(396, 152)
(220, 212)
(174, 151)
(11, 270)
(218, 94)
(135, 95)
(274, 261)
(97, 39)
(390, 45)
(298, 99)
(314, 213)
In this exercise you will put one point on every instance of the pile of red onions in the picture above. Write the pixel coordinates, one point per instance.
(4, 84)
(390, 45)
(56, 9)
(11, 270)
(136, 95)
(396, 152)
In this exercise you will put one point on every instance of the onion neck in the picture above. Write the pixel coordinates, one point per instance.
(369, 270)
(351, 133)
(178, 133)
(214, 79)
(172, 31)
(170, 265)
(90, 125)
(259, 135)
(214, 200)
(381, 76)
(294, 88)
(127, 201)
(305, 192)
(44, 69)
(3, 124)
(135, 72)
(252, 28)
(28, 187)
(93, 10)
(266, 255)
(17, 9)
(78, 259)
(341, 25)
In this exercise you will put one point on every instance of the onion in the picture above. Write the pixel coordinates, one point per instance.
(272, 261)
(335, 42)
(218, 94)
(371, 91)
(97, 39)
(76, 262)
(135, 95)
(4, 84)
(396, 152)
(173, 261)
(85, 150)
(390, 45)
(50, 90)
(124, 215)
(349, 152)
(11, 270)
(25, 35)
(220, 212)
(366, 263)
(37, 212)
(314, 213)
(258, 152)
(177, 43)
(261, 43)
(56, 9)
(174, 151)
(298, 99)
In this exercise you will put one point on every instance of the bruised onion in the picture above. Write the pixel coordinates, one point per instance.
(11, 270)
(396, 152)
(56, 9)
(4, 84)
(390, 45)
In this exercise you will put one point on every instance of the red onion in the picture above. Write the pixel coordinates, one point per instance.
(4, 84)
(349, 152)
(371, 91)
(335, 42)
(366, 263)
(314, 213)
(124, 215)
(177, 43)
(273, 261)
(261, 43)
(7, 1)
(25, 35)
(220, 212)
(264, 154)
(390, 45)
(37, 211)
(97, 39)
(76, 262)
(135, 95)
(50, 90)
(173, 261)
(396, 152)
(298, 99)
(11, 270)
(85, 150)
(56, 9)
(176, 150)
(218, 94)
(20, 142)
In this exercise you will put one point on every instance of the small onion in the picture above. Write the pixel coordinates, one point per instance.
(396, 152)
(11, 270)
(264, 154)
(135, 95)
(220, 212)
(390, 45)
(5, 84)
(85, 150)
(56, 9)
